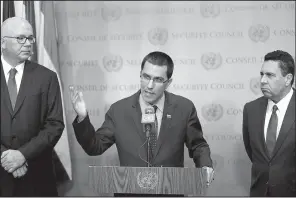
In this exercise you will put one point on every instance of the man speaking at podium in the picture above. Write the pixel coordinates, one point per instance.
(175, 123)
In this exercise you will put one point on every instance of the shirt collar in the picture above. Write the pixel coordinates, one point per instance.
(283, 103)
(159, 103)
(7, 66)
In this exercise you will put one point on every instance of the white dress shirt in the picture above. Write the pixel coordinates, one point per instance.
(282, 108)
(159, 111)
(18, 75)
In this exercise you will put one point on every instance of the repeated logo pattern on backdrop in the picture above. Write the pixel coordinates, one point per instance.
(218, 49)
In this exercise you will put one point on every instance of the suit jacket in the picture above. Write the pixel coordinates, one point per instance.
(123, 126)
(277, 173)
(33, 127)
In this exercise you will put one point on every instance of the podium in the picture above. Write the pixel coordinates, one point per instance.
(110, 180)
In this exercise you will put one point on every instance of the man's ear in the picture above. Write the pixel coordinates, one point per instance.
(289, 78)
(3, 43)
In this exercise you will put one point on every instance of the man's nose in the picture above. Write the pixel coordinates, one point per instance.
(27, 43)
(263, 79)
(150, 84)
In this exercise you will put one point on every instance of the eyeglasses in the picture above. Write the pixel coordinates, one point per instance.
(22, 39)
(156, 80)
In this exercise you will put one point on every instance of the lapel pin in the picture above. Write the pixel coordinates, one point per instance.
(169, 116)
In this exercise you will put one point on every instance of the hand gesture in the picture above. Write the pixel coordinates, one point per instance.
(209, 174)
(78, 103)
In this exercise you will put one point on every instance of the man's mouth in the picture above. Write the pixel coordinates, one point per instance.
(148, 92)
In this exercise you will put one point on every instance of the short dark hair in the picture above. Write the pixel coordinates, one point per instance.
(285, 60)
(160, 59)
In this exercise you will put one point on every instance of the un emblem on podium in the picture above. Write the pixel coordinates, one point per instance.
(147, 179)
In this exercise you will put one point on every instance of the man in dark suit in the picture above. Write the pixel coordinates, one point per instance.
(177, 122)
(31, 115)
(269, 129)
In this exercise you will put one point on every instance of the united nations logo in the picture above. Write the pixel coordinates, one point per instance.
(255, 85)
(259, 33)
(212, 112)
(111, 13)
(158, 36)
(209, 10)
(147, 179)
(112, 63)
(211, 60)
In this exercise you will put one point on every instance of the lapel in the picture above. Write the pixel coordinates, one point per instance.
(288, 121)
(4, 92)
(261, 116)
(24, 87)
(137, 114)
(166, 122)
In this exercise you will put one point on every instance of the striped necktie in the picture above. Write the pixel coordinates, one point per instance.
(153, 133)
(11, 85)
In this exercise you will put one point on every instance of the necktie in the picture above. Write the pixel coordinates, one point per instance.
(153, 134)
(12, 89)
(156, 122)
(271, 131)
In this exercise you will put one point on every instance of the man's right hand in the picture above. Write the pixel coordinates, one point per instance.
(21, 171)
(78, 103)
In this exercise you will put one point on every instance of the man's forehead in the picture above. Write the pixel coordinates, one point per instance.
(155, 74)
(15, 25)
(15, 20)
(154, 70)
(270, 65)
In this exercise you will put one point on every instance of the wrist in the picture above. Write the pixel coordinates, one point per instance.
(81, 118)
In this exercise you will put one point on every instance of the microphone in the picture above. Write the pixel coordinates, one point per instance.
(148, 121)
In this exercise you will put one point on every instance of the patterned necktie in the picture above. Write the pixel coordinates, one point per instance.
(153, 134)
(12, 87)
(271, 131)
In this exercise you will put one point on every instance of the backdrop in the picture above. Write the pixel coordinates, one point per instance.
(218, 50)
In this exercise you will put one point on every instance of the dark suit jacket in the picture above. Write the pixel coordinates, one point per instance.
(122, 126)
(33, 128)
(276, 173)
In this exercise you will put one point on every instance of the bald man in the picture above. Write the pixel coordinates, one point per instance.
(31, 116)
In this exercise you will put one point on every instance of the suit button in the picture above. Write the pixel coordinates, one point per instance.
(13, 137)
(267, 183)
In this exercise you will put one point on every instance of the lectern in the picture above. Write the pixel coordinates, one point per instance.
(147, 180)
